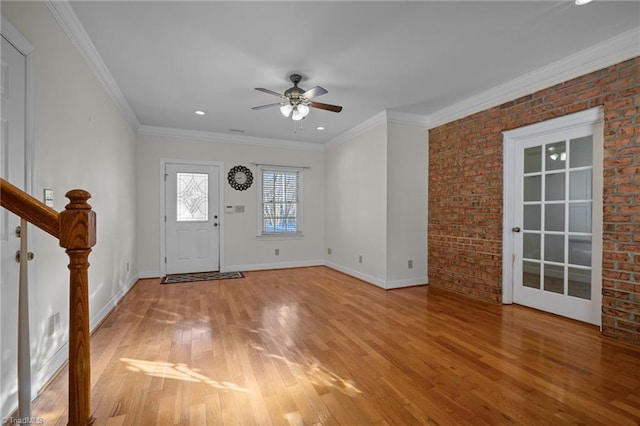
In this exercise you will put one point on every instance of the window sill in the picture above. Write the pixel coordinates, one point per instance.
(283, 236)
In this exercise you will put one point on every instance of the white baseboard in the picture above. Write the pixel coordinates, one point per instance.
(408, 282)
(364, 277)
(379, 282)
(280, 265)
(248, 267)
(102, 313)
(148, 274)
(49, 368)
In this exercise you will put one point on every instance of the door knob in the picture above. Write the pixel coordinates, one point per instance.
(215, 224)
(515, 229)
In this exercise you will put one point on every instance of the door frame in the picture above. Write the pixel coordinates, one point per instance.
(163, 207)
(594, 117)
(24, 46)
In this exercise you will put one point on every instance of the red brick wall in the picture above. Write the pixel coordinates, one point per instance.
(465, 191)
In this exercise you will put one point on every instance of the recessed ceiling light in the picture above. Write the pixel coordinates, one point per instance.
(319, 128)
(581, 2)
(199, 112)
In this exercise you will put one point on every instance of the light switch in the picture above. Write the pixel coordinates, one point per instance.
(48, 197)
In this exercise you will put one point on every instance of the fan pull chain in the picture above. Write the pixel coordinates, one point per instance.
(296, 128)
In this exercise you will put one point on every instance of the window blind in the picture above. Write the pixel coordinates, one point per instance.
(280, 201)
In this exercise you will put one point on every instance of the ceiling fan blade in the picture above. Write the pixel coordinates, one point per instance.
(271, 92)
(334, 108)
(314, 92)
(266, 106)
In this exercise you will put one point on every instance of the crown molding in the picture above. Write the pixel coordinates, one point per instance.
(386, 116)
(401, 117)
(354, 132)
(615, 50)
(69, 22)
(204, 136)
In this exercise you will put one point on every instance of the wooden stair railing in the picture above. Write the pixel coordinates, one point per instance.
(75, 228)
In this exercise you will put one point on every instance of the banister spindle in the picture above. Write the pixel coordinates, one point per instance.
(24, 340)
(77, 236)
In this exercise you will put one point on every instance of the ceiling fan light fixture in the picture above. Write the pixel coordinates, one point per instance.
(303, 109)
(297, 114)
(295, 103)
(286, 109)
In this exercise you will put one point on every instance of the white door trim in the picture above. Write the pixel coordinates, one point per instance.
(593, 116)
(163, 231)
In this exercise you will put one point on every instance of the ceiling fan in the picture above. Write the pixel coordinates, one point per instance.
(296, 102)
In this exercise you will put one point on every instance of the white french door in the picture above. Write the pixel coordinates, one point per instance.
(192, 224)
(556, 218)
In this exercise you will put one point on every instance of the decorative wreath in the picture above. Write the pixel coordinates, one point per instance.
(240, 178)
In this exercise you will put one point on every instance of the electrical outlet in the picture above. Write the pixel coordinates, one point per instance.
(360, 259)
(410, 263)
(329, 250)
(278, 252)
(54, 323)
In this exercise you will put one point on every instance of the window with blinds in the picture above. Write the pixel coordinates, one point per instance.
(281, 194)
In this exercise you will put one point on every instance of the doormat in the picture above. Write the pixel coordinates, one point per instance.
(200, 276)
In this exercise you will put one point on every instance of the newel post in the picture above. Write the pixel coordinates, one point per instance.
(78, 235)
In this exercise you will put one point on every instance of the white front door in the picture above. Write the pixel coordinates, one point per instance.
(192, 214)
(557, 222)
(12, 169)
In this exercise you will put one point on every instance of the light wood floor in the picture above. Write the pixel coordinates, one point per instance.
(314, 346)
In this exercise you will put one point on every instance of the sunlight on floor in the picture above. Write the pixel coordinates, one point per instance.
(317, 373)
(169, 370)
(287, 317)
(294, 418)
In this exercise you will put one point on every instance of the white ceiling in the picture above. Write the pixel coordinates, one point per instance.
(170, 58)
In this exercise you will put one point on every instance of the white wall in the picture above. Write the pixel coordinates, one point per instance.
(356, 205)
(376, 204)
(242, 250)
(407, 160)
(81, 141)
